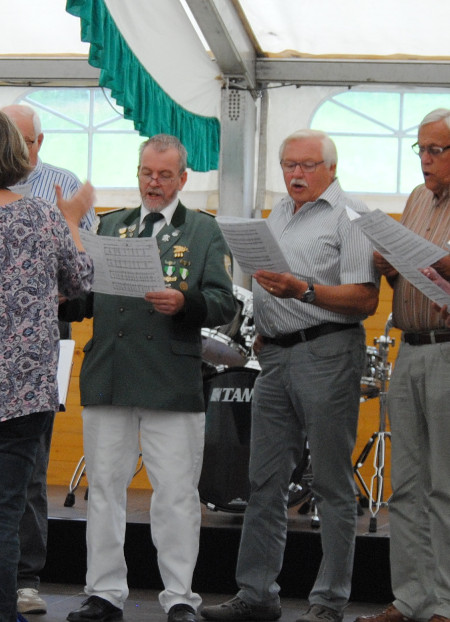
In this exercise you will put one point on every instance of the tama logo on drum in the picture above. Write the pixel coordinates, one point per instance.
(231, 394)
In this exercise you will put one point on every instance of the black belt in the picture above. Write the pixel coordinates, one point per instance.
(285, 341)
(426, 338)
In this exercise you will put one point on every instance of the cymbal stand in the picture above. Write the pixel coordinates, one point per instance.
(375, 491)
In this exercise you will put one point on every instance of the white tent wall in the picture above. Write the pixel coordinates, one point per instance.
(290, 108)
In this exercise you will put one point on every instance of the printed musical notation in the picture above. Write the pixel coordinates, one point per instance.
(124, 266)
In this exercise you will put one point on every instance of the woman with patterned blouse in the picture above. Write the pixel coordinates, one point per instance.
(41, 258)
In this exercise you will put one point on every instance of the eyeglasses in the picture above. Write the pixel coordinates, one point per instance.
(162, 179)
(307, 167)
(432, 150)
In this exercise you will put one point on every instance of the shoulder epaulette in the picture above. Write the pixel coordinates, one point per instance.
(111, 211)
(203, 211)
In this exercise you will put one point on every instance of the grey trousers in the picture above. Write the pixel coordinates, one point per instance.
(33, 527)
(310, 390)
(419, 411)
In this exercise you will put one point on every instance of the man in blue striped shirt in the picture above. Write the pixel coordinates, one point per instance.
(43, 178)
(311, 348)
(33, 527)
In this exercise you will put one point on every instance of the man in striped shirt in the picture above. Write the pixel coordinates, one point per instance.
(311, 348)
(419, 404)
(43, 178)
(33, 527)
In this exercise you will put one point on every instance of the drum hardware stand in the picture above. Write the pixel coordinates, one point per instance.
(375, 492)
(300, 490)
(79, 473)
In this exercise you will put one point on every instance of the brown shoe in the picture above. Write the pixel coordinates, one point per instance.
(438, 618)
(391, 614)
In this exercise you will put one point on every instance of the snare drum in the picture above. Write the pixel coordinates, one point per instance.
(371, 379)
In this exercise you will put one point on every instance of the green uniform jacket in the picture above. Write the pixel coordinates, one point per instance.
(139, 357)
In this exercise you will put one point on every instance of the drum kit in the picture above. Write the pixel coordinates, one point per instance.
(230, 369)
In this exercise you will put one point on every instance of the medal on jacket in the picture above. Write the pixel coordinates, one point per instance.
(184, 272)
(178, 251)
(127, 232)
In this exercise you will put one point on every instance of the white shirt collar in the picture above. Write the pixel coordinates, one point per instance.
(167, 212)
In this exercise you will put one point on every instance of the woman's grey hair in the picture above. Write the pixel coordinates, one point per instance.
(440, 114)
(14, 161)
(162, 142)
(329, 151)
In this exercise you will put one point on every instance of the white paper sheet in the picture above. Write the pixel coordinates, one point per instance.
(403, 249)
(124, 266)
(65, 362)
(253, 244)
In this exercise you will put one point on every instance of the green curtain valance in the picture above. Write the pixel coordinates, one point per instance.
(142, 99)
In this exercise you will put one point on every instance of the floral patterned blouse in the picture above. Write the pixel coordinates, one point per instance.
(38, 259)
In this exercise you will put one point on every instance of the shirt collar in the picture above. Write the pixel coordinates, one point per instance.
(36, 171)
(443, 198)
(167, 212)
(330, 195)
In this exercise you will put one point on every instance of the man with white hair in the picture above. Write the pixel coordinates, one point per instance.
(419, 404)
(40, 183)
(43, 178)
(311, 348)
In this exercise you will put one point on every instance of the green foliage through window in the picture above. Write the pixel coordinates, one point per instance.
(373, 132)
(85, 132)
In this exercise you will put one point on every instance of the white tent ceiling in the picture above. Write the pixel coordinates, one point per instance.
(252, 43)
(349, 27)
(324, 27)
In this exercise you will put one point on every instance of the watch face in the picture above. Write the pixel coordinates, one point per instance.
(309, 295)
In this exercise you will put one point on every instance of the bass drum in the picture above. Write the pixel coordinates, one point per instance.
(224, 483)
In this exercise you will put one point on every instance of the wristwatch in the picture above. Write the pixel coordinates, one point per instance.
(309, 295)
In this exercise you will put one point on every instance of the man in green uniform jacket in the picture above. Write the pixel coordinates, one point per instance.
(142, 389)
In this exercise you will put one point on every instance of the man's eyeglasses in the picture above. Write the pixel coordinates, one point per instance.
(432, 150)
(160, 179)
(307, 167)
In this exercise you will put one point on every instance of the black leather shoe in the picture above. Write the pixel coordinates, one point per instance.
(96, 609)
(181, 613)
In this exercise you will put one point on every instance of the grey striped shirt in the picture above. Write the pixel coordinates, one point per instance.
(319, 243)
(41, 183)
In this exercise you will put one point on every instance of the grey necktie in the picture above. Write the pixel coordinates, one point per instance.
(151, 218)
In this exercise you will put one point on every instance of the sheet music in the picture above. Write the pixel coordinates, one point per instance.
(253, 244)
(403, 249)
(65, 361)
(124, 266)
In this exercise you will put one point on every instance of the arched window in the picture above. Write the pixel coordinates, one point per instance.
(85, 132)
(373, 132)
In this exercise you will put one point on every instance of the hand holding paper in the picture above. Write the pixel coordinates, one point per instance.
(125, 267)
(253, 244)
(406, 251)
